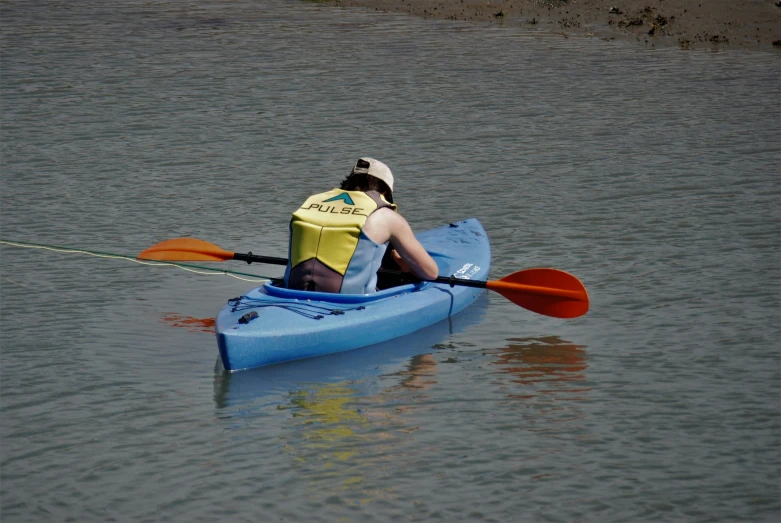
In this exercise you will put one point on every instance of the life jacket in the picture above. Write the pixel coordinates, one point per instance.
(328, 251)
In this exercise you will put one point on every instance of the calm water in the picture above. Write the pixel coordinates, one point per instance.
(651, 175)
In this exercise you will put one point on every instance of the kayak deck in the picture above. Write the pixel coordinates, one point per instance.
(271, 324)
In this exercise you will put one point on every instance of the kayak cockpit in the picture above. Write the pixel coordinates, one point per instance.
(270, 289)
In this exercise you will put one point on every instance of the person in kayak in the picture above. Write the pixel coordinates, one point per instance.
(338, 238)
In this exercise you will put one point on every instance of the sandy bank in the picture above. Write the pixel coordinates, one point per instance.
(721, 24)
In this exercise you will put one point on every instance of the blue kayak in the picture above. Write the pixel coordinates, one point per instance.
(271, 324)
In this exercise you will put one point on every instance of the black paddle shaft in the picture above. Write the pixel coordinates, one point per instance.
(249, 258)
(449, 280)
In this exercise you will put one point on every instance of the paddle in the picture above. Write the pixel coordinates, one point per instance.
(545, 291)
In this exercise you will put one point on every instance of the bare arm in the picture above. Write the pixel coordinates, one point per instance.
(385, 225)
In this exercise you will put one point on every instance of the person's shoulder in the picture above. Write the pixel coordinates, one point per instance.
(388, 219)
(385, 214)
(395, 223)
(389, 214)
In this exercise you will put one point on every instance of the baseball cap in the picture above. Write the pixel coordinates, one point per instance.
(374, 168)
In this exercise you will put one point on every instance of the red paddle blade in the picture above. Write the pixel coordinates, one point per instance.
(545, 291)
(185, 249)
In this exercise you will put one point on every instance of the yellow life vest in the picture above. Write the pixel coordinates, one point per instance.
(328, 250)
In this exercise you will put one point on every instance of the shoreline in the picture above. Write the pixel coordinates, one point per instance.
(752, 25)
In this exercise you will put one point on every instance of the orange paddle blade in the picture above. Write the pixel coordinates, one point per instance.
(185, 249)
(545, 291)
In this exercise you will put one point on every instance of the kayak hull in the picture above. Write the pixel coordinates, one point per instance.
(271, 324)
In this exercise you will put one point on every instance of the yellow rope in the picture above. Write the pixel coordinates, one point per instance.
(214, 272)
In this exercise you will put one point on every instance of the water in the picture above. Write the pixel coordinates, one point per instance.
(652, 175)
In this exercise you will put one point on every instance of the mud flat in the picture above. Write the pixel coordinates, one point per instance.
(753, 25)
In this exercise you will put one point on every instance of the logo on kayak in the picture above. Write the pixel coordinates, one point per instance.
(344, 197)
(466, 272)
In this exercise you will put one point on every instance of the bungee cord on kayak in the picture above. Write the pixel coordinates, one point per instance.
(308, 310)
(99, 254)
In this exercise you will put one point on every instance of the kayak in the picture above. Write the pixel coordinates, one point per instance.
(271, 324)
(359, 369)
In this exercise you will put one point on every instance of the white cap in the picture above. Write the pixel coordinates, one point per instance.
(374, 168)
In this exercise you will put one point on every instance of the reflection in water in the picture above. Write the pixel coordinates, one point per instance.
(188, 322)
(417, 377)
(420, 372)
(363, 368)
(326, 417)
(345, 427)
(545, 366)
(343, 433)
(546, 380)
(330, 433)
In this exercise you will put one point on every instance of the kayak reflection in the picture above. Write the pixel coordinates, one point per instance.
(341, 438)
(367, 369)
(335, 423)
(543, 366)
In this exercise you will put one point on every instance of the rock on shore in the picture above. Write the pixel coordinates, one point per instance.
(722, 24)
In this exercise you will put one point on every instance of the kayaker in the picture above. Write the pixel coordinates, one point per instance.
(338, 238)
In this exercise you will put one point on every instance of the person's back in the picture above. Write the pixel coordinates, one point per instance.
(338, 238)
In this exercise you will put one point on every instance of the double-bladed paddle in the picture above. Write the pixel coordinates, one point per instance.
(545, 291)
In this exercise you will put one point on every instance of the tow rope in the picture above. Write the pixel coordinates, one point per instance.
(184, 266)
